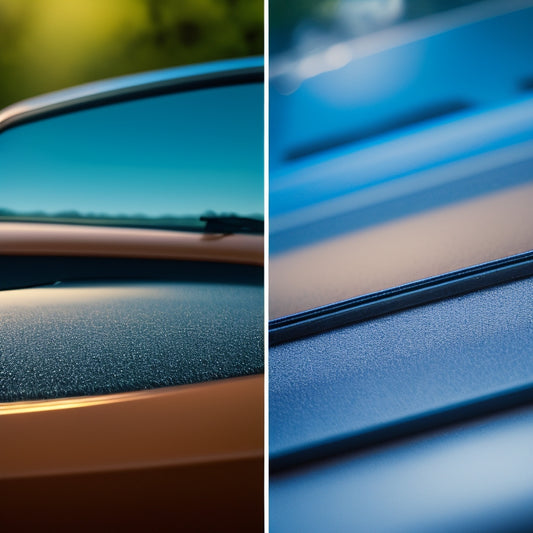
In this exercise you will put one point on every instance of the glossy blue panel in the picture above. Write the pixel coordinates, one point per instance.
(424, 114)
(398, 155)
(477, 477)
(465, 58)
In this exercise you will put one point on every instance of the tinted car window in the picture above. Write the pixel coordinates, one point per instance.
(162, 161)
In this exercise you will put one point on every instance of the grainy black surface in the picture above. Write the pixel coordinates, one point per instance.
(76, 339)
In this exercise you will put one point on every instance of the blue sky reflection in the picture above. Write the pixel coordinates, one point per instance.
(181, 155)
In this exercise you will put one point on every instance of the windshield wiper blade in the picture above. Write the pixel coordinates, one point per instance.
(232, 224)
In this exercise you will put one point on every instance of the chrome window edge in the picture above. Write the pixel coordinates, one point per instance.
(373, 305)
(131, 87)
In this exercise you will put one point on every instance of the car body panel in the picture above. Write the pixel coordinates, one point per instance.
(468, 477)
(403, 202)
(399, 367)
(193, 424)
(102, 241)
(139, 459)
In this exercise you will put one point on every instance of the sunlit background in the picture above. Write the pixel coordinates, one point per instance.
(47, 45)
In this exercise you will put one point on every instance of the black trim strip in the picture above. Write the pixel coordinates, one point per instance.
(29, 271)
(405, 428)
(424, 114)
(388, 301)
(136, 92)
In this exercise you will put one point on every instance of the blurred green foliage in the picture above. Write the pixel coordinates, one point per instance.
(47, 45)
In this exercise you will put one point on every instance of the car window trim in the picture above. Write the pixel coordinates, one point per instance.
(133, 87)
(369, 306)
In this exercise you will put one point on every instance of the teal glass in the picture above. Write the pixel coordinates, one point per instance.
(159, 161)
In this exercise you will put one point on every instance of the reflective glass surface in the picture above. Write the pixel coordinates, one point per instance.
(162, 161)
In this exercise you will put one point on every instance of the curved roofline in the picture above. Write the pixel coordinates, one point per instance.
(131, 87)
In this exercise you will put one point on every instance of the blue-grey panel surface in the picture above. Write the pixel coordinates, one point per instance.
(476, 477)
(350, 380)
(96, 338)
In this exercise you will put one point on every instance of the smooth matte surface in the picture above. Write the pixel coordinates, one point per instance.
(353, 379)
(475, 477)
(97, 338)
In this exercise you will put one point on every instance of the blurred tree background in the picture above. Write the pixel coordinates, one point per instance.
(47, 45)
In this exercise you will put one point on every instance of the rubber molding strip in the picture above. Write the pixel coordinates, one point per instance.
(392, 300)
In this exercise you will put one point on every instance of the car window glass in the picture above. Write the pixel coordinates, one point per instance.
(162, 161)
